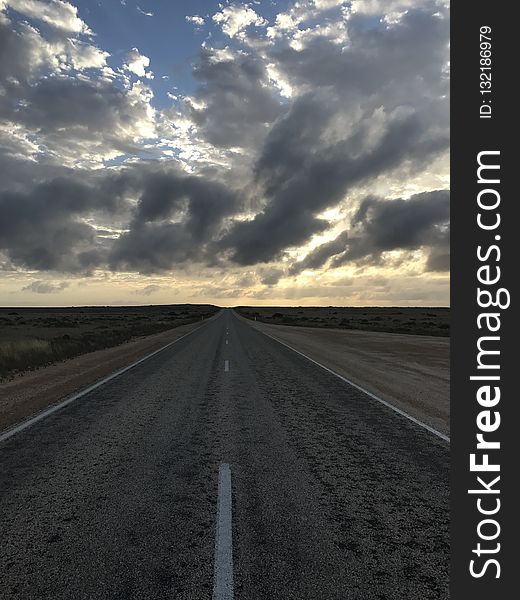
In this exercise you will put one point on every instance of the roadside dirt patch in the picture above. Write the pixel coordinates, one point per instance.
(32, 392)
(409, 371)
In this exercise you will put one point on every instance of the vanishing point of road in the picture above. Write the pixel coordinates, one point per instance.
(225, 466)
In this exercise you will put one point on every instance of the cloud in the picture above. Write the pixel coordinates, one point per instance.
(385, 60)
(42, 230)
(290, 23)
(271, 277)
(45, 287)
(63, 102)
(201, 201)
(46, 228)
(361, 291)
(137, 63)
(320, 255)
(85, 56)
(337, 108)
(28, 52)
(148, 290)
(383, 225)
(57, 13)
(71, 117)
(382, 7)
(85, 121)
(153, 247)
(359, 113)
(32, 56)
(197, 20)
(300, 180)
(176, 220)
(234, 100)
(235, 19)
(144, 12)
(439, 258)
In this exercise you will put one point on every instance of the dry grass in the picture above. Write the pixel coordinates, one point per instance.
(14, 353)
(430, 321)
(36, 337)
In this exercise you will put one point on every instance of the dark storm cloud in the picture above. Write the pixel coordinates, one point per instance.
(381, 225)
(271, 277)
(43, 229)
(153, 243)
(153, 247)
(361, 109)
(320, 255)
(247, 241)
(203, 202)
(438, 261)
(375, 60)
(439, 257)
(294, 140)
(300, 182)
(238, 100)
(18, 172)
(386, 87)
(66, 102)
(78, 117)
(399, 223)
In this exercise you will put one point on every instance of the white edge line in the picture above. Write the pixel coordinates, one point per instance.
(55, 407)
(223, 570)
(361, 389)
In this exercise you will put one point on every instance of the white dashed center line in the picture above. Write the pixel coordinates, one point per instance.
(223, 572)
(226, 365)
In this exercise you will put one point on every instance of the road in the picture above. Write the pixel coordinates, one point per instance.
(334, 496)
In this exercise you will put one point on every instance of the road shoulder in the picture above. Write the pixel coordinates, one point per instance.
(411, 372)
(34, 391)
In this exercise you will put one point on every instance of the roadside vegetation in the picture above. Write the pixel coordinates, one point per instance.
(35, 337)
(411, 320)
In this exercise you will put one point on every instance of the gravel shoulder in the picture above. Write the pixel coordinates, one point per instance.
(409, 371)
(32, 392)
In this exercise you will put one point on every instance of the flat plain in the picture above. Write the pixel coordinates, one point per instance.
(431, 321)
(35, 337)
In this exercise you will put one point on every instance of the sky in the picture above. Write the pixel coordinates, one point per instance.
(258, 153)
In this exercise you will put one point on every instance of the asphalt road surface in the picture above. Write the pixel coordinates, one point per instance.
(333, 496)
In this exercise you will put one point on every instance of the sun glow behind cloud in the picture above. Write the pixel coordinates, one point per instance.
(307, 163)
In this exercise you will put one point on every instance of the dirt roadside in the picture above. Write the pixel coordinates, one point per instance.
(32, 392)
(409, 371)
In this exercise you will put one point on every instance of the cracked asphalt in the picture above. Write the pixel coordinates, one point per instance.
(334, 495)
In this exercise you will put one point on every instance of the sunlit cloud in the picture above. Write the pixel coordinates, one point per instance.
(300, 157)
